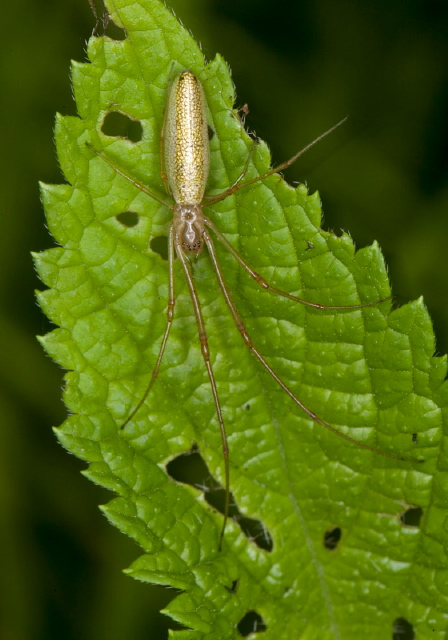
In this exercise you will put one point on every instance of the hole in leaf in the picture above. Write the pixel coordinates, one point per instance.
(113, 31)
(159, 245)
(414, 438)
(332, 537)
(104, 24)
(256, 531)
(128, 218)
(190, 468)
(119, 125)
(402, 630)
(211, 132)
(252, 622)
(412, 516)
(233, 588)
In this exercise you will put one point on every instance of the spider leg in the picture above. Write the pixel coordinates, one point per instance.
(237, 185)
(265, 285)
(248, 342)
(169, 322)
(206, 356)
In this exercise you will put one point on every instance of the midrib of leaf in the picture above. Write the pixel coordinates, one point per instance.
(282, 464)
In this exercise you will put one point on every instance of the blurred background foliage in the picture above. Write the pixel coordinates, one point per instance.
(301, 65)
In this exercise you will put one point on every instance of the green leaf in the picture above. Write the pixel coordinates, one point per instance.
(369, 373)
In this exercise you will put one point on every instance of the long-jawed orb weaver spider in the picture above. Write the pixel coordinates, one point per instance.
(185, 169)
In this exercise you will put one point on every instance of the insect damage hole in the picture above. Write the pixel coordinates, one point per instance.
(402, 630)
(128, 218)
(159, 245)
(255, 531)
(332, 537)
(190, 468)
(412, 516)
(251, 622)
(104, 23)
(113, 31)
(120, 125)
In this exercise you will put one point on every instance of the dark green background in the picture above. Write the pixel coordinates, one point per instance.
(301, 66)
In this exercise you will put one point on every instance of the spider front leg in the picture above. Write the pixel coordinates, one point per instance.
(130, 179)
(237, 185)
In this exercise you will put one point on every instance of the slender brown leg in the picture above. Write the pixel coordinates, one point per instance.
(281, 167)
(134, 182)
(169, 322)
(265, 285)
(248, 341)
(206, 356)
(211, 199)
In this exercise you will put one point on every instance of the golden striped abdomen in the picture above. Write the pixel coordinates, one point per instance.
(186, 144)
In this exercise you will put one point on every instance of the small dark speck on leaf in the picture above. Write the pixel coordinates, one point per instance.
(233, 588)
(332, 537)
